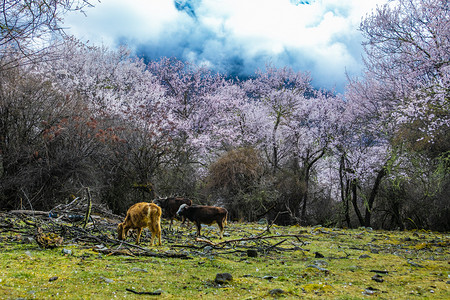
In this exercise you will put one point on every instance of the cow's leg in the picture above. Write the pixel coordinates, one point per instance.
(125, 232)
(153, 235)
(199, 227)
(138, 235)
(220, 224)
(184, 221)
(158, 233)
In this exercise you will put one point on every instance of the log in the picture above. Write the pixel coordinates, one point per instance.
(29, 212)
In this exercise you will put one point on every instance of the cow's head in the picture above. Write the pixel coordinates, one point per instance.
(120, 233)
(182, 209)
(157, 202)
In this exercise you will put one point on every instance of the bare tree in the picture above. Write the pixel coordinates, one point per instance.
(24, 24)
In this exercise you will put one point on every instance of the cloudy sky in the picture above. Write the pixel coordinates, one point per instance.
(236, 37)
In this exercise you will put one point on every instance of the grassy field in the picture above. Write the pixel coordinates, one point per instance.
(292, 262)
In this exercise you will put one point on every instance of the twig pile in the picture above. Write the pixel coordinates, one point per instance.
(65, 224)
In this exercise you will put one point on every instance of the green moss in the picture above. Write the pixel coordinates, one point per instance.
(345, 271)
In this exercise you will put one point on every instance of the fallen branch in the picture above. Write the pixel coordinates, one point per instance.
(144, 293)
(114, 252)
(65, 206)
(274, 245)
(259, 238)
(205, 241)
(164, 255)
(29, 212)
(86, 234)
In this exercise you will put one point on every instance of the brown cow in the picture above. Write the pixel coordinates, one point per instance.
(139, 216)
(170, 207)
(201, 214)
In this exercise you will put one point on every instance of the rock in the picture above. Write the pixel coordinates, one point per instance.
(158, 292)
(380, 271)
(364, 256)
(27, 240)
(107, 280)
(276, 292)
(354, 268)
(414, 264)
(53, 278)
(66, 251)
(318, 255)
(320, 262)
(252, 253)
(370, 291)
(139, 270)
(319, 268)
(377, 278)
(100, 247)
(222, 278)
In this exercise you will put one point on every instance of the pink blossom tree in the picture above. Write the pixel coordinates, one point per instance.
(276, 94)
(125, 107)
(407, 52)
(402, 98)
(311, 134)
(204, 107)
(293, 125)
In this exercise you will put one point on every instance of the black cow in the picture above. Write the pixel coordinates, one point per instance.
(201, 214)
(170, 207)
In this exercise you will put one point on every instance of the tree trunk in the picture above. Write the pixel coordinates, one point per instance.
(305, 198)
(88, 209)
(274, 144)
(345, 192)
(306, 175)
(355, 203)
(373, 194)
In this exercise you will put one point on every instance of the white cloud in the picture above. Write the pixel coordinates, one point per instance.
(137, 19)
(321, 36)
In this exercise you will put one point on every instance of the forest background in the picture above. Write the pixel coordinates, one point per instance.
(75, 116)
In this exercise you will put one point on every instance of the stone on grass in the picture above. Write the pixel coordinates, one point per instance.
(276, 292)
(377, 278)
(318, 255)
(222, 278)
